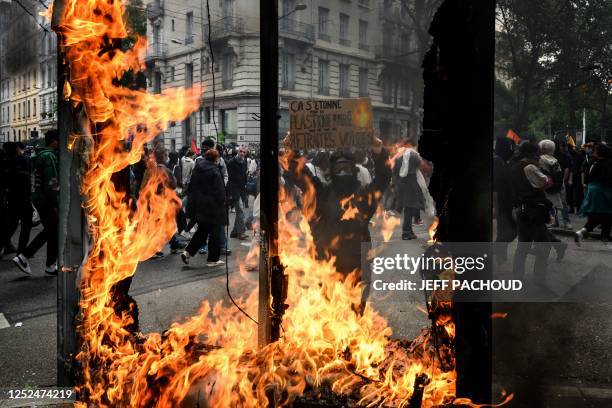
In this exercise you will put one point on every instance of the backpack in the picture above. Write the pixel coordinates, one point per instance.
(552, 168)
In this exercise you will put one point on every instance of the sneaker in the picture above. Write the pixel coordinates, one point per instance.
(226, 252)
(408, 236)
(568, 226)
(51, 270)
(185, 257)
(579, 236)
(178, 249)
(22, 263)
(187, 235)
(158, 255)
(243, 236)
(203, 250)
(213, 264)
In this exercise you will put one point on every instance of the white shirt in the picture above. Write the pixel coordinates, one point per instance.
(363, 175)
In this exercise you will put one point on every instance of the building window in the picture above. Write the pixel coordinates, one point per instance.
(323, 77)
(228, 70)
(48, 76)
(229, 122)
(344, 80)
(363, 35)
(189, 28)
(157, 78)
(344, 30)
(324, 24)
(188, 75)
(172, 25)
(385, 129)
(34, 113)
(387, 90)
(207, 115)
(228, 8)
(363, 82)
(404, 93)
(288, 72)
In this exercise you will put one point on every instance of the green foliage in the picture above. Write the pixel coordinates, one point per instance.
(557, 57)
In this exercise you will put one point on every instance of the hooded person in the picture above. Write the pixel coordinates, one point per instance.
(337, 230)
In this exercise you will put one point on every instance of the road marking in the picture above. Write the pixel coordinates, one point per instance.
(3, 322)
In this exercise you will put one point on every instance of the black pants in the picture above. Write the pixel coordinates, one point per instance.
(532, 231)
(605, 220)
(409, 213)
(204, 231)
(506, 232)
(49, 219)
(19, 212)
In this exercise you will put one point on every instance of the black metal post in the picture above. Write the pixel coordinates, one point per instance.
(72, 223)
(272, 281)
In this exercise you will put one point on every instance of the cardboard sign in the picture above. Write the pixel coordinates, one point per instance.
(330, 124)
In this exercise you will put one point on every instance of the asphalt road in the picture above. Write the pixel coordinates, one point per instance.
(562, 348)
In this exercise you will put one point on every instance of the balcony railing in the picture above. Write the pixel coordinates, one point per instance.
(156, 51)
(345, 42)
(324, 37)
(296, 30)
(226, 27)
(364, 3)
(364, 47)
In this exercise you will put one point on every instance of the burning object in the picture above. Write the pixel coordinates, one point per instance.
(325, 344)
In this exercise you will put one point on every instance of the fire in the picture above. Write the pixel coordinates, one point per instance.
(350, 212)
(432, 230)
(324, 343)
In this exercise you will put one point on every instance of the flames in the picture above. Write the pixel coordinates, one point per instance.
(212, 355)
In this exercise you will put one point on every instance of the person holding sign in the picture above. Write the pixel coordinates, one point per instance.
(340, 223)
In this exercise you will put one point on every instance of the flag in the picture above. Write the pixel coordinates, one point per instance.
(570, 141)
(512, 135)
(194, 147)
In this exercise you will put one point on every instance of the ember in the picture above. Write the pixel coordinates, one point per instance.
(326, 351)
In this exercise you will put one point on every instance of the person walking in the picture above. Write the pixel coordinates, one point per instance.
(45, 197)
(206, 204)
(18, 196)
(597, 203)
(409, 196)
(502, 191)
(236, 188)
(532, 212)
(162, 160)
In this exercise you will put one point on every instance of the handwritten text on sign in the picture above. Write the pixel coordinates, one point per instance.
(330, 124)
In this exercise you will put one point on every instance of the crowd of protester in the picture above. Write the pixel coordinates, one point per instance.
(538, 185)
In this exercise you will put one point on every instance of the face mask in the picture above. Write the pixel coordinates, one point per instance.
(344, 184)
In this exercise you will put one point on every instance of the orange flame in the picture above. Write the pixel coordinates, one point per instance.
(325, 342)
(432, 230)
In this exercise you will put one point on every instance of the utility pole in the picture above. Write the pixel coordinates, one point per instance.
(272, 280)
(72, 223)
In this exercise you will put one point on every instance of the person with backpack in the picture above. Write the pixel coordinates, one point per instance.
(531, 211)
(597, 203)
(45, 197)
(552, 168)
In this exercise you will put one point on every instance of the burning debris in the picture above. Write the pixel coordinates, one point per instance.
(327, 351)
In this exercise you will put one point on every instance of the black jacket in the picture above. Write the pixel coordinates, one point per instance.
(335, 232)
(237, 178)
(206, 202)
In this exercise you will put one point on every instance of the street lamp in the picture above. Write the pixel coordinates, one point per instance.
(298, 7)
